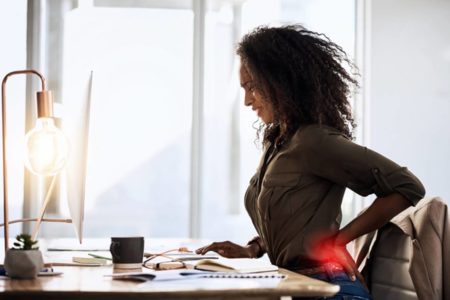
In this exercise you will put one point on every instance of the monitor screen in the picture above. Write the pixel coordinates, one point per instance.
(76, 126)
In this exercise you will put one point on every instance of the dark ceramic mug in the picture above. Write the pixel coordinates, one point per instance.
(127, 252)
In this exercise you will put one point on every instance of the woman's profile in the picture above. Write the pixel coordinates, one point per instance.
(297, 83)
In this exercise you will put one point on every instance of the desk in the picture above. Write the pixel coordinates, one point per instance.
(90, 283)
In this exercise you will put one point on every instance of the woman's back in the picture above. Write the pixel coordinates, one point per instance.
(294, 199)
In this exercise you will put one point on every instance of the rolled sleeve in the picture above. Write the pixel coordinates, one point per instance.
(401, 181)
(336, 158)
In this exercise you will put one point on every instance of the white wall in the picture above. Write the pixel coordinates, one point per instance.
(410, 88)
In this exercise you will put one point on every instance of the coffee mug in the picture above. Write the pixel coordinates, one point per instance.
(127, 252)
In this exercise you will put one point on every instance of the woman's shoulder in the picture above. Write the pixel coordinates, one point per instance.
(314, 134)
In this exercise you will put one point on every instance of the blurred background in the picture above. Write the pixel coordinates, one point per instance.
(171, 147)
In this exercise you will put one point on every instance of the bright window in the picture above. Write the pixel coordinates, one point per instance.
(139, 168)
(13, 29)
(139, 144)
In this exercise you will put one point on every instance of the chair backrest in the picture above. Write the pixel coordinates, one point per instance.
(389, 277)
(409, 258)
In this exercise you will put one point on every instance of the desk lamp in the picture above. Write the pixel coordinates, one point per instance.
(46, 150)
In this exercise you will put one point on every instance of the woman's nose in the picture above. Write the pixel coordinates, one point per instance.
(248, 99)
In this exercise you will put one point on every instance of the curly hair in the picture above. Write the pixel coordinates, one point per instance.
(301, 73)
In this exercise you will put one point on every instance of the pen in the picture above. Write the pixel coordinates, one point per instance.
(99, 256)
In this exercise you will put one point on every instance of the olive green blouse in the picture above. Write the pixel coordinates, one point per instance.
(297, 191)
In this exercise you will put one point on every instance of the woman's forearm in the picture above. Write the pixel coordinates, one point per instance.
(379, 213)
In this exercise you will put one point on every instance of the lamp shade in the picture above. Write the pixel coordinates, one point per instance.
(47, 148)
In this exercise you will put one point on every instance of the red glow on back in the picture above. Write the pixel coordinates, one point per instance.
(324, 249)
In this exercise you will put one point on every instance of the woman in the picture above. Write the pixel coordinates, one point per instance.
(294, 80)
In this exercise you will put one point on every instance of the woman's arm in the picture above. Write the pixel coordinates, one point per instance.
(378, 214)
(381, 211)
(334, 157)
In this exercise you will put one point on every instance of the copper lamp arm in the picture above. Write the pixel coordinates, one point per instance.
(24, 72)
(4, 139)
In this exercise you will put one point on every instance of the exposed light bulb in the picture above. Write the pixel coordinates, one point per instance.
(47, 148)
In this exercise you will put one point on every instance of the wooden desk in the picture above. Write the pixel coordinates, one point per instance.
(90, 283)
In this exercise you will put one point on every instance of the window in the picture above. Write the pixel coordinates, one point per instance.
(139, 145)
(13, 29)
(146, 58)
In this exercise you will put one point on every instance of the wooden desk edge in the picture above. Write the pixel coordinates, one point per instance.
(288, 287)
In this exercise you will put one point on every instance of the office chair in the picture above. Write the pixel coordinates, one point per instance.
(409, 258)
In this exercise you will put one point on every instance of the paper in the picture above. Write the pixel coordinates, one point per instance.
(237, 265)
(89, 260)
(184, 274)
(206, 280)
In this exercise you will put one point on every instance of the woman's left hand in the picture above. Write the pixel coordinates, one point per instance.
(229, 249)
(330, 250)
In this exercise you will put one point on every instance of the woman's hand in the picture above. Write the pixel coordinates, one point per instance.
(331, 250)
(230, 250)
(379, 213)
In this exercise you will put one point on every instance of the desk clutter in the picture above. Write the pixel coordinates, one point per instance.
(183, 265)
(73, 271)
(211, 263)
(159, 265)
(172, 265)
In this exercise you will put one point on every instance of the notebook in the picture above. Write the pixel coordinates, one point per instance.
(190, 274)
(234, 265)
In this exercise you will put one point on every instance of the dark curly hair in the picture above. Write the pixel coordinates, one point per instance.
(300, 72)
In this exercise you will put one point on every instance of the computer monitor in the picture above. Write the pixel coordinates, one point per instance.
(75, 125)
